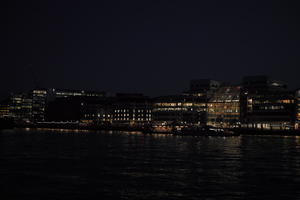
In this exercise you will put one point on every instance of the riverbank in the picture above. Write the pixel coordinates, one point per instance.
(146, 130)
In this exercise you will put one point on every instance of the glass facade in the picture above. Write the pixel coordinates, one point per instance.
(179, 110)
(224, 108)
(297, 120)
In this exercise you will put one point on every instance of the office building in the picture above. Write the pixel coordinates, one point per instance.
(39, 98)
(178, 110)
(297, 105)
(5, 109)
(266, 104)
(98, 112)
(64, 93)
(132, 110)
(224, 108)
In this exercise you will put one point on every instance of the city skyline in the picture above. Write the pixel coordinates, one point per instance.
(150, 99)
(140, 91)
(259, 102)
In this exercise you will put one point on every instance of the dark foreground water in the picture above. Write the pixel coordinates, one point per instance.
(48, 165)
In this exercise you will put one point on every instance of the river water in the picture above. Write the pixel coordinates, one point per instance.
(53, 164)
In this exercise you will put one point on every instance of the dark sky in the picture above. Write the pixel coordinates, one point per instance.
(154, 47)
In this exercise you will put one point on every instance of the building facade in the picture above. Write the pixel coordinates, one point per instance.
(224, 108)
(98, 112)
(179, 110)
(267, 104)
(39, 98)
(64, 93)
(131, 110)
(297, 105)
(5, 109)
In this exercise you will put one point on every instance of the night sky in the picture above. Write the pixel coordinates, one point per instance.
(154, 47)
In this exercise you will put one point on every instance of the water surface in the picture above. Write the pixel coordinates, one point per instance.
(53, 164)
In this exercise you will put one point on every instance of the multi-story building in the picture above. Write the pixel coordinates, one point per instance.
(31, 107)
(70, 109)
(64, 93)
(297, 104)
(5, 109)
(70, 105)
(132, 110)
(27, 116)
(98, 112)
(39, 98)
(224, 108)
(178, 110)
(266, 104)
(16, 106)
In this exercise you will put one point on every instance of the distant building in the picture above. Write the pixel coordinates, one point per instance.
(5, 109)
(98, 112)
(64, 93)
(39, 98)
(17, 107)
(27, 115)
(266, 104)
(262, 83)
(297, 117)
(69, 105)
(132, 110)
(69, 109)
(178, 110)
(224, 107)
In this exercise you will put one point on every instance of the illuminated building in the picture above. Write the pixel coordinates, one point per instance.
(64, 93)
(18, 107)
(39, 98)
(190, 108)
(132, 110)
(178, 110)
(5, 109)
(266, 104)
(98, 112)
(297, 123)
(224, 108)
(27, 116)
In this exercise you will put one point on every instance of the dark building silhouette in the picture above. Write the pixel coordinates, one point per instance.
(69, 109)
(203, 87)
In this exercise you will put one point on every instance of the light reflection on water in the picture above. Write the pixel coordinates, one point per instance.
(52, 164)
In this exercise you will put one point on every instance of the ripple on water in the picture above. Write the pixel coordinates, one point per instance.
(46, 164)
